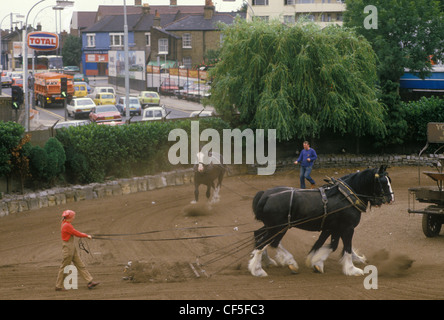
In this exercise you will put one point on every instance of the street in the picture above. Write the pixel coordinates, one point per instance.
(175, 108)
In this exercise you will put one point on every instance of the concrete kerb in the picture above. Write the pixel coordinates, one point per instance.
(16, 204)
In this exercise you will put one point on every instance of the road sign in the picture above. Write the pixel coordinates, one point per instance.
(43, 41)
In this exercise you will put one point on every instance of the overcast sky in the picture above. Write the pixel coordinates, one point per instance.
(42, 13)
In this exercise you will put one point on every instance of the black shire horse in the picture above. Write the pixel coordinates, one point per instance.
(334, 209)
(206, 171)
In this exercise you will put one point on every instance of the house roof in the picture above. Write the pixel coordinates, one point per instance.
(147, 21)
(114, 23)
(105, 10)
(197, 22)
(85, 19)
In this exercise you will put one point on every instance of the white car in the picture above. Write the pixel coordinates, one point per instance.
(102, 90)
(73, 123)
(203, 113)
(80, 107)
(153, 113)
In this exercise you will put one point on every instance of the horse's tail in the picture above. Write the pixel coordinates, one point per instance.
(258, 205)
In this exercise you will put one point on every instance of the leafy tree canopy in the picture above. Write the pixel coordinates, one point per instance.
(407, 33)
(299, 79)
(72, 51)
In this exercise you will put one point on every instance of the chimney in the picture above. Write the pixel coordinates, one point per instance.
(208, 9)
(156, 22)
(137, 2)
(146, 8)
(173, 2)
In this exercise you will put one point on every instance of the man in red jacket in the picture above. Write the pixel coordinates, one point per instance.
(70, 253)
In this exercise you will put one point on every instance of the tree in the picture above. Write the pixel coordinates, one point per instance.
(299, 80)
(20, 161)
(407, 34)
(55, 159)
(10, 136)
(72, 51)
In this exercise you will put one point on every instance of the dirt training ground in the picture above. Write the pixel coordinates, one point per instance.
(30, 249)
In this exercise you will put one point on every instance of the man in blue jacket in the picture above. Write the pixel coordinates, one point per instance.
(306, 159)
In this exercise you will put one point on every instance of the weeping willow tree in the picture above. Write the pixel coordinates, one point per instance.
(300, 80)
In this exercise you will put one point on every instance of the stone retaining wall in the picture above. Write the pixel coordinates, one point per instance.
(13, 204)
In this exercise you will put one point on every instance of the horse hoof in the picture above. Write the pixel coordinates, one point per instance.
(193, 202)
(354, 272)
(261, 273)
(293, 268)
(318, 269)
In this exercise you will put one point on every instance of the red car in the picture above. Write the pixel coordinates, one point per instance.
(17, 82)
(104, 113)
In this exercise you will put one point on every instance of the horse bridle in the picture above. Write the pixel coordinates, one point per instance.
(375, 195)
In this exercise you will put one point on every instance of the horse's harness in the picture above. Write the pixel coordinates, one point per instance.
(344, 188)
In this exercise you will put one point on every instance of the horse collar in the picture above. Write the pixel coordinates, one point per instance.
(351, 196)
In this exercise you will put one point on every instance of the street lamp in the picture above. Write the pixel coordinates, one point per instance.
(125, 35)
(60, 3)
(25, 67)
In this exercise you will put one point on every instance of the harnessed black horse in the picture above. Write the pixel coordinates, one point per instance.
(206, 171)
(334, 209)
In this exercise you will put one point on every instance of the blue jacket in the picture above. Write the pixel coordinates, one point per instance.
(310, 153)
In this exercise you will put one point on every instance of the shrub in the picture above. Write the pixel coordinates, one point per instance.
(95, 152)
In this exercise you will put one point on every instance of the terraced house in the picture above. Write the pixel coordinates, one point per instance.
(168, 36)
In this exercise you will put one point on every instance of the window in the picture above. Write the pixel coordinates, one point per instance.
(187, 62)
(260, 2)
(289, 2)
(290, 19)
(148, 38)
(186, 40)
(116, 39)
(91, 39)
(163, 46)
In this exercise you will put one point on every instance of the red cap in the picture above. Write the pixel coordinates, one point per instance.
(68, 214)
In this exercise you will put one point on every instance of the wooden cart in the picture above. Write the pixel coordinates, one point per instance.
(433, 214)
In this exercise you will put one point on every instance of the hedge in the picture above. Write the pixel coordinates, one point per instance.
(96, 152)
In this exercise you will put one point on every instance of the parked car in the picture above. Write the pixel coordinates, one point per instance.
(154, 113)
(80, 107)
(72, 123)
(105, 113)
(17, 82)
(6, 81)
(104, 98)
(112, 123)
(168, 86)
(134, 105)
(80, 89)
(202, 113)
(198, 91)
(149, 98)
(80, 77)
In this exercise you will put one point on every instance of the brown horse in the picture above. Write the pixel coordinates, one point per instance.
(206, 171)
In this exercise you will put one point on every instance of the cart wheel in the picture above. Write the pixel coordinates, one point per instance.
(431, 225)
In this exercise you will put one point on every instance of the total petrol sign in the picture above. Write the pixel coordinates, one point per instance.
(43, 41)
